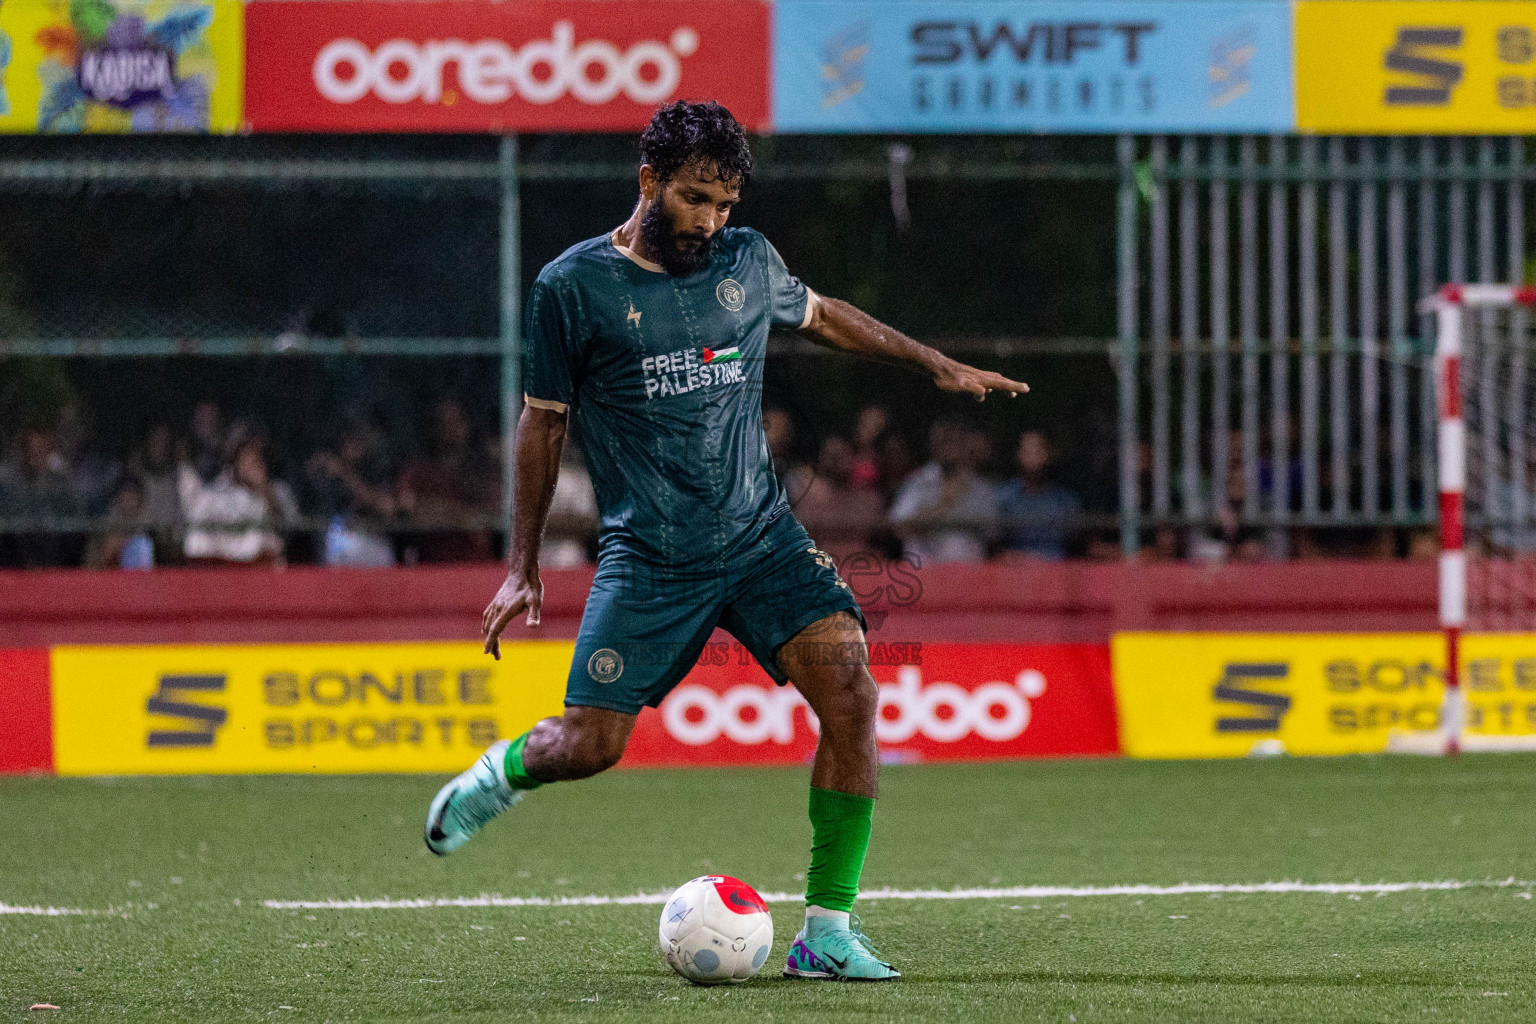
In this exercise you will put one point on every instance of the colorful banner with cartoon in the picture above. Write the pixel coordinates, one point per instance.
(121, 66)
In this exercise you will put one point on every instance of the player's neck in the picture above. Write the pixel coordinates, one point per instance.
(629, 236)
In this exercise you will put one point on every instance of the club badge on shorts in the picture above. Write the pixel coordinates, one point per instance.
(605, 665)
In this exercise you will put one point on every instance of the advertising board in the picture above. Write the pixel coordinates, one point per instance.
(475, 66)
(938, 702)
(1363, 66)
(1085, 66)
(26, 739)
(431, 707)
(121, 66)
(1228, 695)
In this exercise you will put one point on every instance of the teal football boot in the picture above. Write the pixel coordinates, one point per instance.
(470, 800)
(825, 950)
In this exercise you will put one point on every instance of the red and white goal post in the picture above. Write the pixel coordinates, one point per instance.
(1486, 389)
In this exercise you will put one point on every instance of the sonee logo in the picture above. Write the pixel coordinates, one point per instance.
(1265, 709)
(202, 719)
(1435, 78)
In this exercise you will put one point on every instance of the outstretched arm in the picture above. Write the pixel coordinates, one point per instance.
(841, 325)
(540, 438)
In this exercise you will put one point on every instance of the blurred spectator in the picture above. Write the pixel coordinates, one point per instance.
(873, 422)
(945, 512)
(153, 466)
(894, 462)
(94, 473)
(833, 509)
(572, 529)
(34, 486)
(235, 518)
(1037, 518)
(452, 488)
(205, 446)
(350, 487)
(123, 543)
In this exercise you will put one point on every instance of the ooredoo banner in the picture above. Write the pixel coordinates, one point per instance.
(938, 702)
(474, 66)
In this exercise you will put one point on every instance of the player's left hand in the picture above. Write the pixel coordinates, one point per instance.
(521, 592)
(976, 383)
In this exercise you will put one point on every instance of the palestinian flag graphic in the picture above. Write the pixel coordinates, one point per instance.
(725, 355)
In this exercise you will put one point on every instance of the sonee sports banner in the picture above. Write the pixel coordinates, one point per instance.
(1233, 694)
(465, 66)
(152, 710)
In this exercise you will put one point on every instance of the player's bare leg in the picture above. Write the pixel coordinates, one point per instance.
(576, 745)
(828, 663)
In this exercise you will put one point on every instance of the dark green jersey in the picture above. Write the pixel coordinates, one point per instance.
(663, 377)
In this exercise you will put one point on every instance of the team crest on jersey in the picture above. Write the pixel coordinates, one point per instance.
(731, 294)
(605, 665)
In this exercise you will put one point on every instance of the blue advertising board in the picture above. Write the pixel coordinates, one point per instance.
(1033, 65)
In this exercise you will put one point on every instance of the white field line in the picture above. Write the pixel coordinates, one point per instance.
(6, 908)
(1010, 892)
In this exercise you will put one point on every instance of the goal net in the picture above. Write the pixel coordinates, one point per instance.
(1486, 382)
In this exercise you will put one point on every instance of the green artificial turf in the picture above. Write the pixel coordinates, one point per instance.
(185, 865)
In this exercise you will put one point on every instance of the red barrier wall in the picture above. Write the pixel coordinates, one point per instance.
(995, 603)
(26, 712)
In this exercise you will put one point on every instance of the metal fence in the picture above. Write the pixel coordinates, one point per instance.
(436, 276)
(1273, 363)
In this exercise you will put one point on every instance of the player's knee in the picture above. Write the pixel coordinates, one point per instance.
(599, 751)
(855, 699)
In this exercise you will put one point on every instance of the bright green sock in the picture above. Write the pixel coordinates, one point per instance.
(517, 775)
(840, 824)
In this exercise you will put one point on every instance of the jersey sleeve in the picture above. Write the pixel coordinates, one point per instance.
(790, 303)
(551, 348)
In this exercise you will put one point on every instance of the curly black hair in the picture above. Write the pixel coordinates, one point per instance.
(681, 131)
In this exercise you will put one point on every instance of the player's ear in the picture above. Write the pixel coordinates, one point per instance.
(650, 182)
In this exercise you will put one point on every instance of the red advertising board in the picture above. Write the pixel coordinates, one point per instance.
(477, 66)
(938, 702)
(26, 712)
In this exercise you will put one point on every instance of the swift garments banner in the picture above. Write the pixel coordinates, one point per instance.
(938, 702)
(1068, 65)
(467, 66)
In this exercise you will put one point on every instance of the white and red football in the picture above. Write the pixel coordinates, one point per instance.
(716, 930)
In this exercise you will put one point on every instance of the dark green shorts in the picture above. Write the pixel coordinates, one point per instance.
(644, 627)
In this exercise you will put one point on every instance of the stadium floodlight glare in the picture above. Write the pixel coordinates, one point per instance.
(1487, 469)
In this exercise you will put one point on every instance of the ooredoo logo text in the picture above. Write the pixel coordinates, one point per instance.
(490, 71)
(943, 712)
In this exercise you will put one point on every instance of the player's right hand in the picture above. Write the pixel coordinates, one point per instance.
(519, 593)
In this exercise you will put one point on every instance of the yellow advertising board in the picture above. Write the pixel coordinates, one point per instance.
(121, 66)
(1224, 694)
(431, 707)
(1374, 67)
